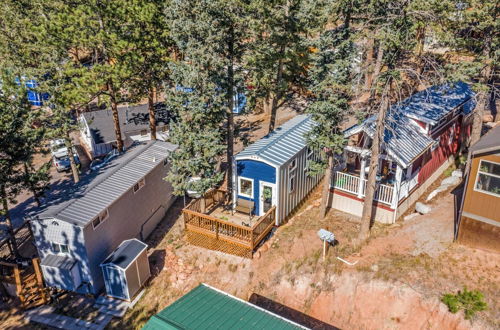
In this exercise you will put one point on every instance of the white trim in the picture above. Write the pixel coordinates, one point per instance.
(278, 198)
(254, 306)
(261, 200)
(490, 174)
(239, 187)
(481, 219)
(258, 159)
(118, 267)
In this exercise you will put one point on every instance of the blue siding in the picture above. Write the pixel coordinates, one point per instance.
(258, 171)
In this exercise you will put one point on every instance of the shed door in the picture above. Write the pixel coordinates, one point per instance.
(116, 283)
(267, 197)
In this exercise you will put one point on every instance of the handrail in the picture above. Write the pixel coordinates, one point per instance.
(209, 217)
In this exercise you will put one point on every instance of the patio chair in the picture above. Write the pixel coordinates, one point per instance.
(245, 206)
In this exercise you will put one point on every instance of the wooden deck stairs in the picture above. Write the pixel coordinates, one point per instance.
(30, 288)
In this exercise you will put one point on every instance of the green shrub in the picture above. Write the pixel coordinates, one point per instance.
(470, 301)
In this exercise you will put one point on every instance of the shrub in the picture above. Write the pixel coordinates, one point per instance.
(470, 301)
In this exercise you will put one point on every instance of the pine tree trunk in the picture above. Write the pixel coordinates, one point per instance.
(370, 49)
(277, 96)
(366, 217)
(31, 185)
(152, 117)
(8, 222)
(378, 63)
(230, 117)
(419, 49)
(326, 185)
(72, 163)
(482, 98)
(116, 119)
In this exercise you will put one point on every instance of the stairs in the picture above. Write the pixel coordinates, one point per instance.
(30, 288)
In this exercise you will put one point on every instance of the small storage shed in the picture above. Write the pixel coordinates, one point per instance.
(273, 170)
(61, 271)
(126, 269)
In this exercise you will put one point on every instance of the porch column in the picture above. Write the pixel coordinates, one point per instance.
(361, 177)
(409, 173)
(397, 187)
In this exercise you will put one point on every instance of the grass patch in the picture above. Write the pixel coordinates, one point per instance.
(470, 302)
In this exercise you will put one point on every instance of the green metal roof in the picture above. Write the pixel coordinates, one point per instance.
(207, 308)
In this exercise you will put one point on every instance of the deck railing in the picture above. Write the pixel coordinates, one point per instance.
(247, 237)
(350, 183)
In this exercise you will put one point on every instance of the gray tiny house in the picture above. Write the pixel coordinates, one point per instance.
(126, 270)
(125, 199)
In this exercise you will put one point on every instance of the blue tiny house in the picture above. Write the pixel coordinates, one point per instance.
(273, 170)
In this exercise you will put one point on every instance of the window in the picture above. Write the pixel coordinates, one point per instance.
(488, 178)
(309, 158)
(291, 175)
(144, 132)
(245, 187)
(164, 128)
(452, 135)
(291, 184)
(59, 248)
(100, 218)
(141, 183)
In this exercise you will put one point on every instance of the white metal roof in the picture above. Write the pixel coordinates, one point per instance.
(282, 144)
(97, 191)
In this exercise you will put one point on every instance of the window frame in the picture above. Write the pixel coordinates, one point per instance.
(291, 178)
(140, 184)
(309, 158)
(478, 172)
(240, 193)
(102, 216)
(59, 249)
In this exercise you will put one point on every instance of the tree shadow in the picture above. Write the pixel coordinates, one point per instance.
(289, 313)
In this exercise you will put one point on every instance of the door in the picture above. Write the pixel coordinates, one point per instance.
(267, 197)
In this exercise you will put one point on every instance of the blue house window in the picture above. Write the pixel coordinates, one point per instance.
(245, 187)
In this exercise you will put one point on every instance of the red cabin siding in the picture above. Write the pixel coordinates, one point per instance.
(432, 160)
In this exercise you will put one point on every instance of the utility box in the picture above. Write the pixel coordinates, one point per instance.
(126, 270)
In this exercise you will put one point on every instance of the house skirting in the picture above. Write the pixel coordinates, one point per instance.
(351, 204)
(479, 234)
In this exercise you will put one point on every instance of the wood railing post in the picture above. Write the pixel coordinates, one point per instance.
(217, 230)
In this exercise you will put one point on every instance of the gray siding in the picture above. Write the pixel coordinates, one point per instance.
(287, 201)
(129, 217)
(47, 231)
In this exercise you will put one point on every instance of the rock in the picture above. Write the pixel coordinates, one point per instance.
(450, 181)
(374, 267)
(411, 216)
(180, 262)
(487, 118)
(457, 173)
(256, 255)
(436, 191)
(264, 248)
(422, 208)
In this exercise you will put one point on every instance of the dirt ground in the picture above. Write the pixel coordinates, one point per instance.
(397, 281)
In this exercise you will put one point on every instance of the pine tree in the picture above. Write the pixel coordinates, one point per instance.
(331, 89)
(280, 52)
(16, 117)
(212, 37)
(473, 29)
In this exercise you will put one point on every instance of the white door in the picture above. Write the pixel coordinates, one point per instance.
(267, 198)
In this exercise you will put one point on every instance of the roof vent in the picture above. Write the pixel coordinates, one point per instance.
(154, 159)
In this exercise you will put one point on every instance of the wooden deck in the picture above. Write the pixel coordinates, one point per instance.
(210, 225)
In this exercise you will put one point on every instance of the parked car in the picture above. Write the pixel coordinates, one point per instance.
(100, 162)
(60, 155)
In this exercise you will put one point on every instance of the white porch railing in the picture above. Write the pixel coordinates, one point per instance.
(350, 183)
(408, 185)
